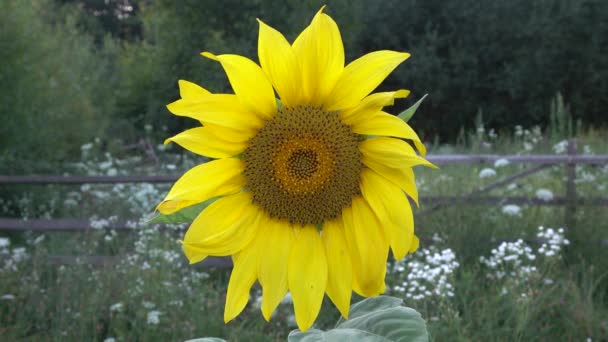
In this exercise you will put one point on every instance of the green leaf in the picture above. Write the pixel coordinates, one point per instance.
(369, 305)
(310, 335)
(207, 339)
(347, 335)
(408, 113)
(185, 215)
(394, 324)
(378, 319)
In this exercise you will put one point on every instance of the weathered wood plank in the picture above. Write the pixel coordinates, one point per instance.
(436, 159)
(74, 225)
(44, 179)
(107, 260)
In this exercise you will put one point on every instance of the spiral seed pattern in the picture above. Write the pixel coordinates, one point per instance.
(304, 165)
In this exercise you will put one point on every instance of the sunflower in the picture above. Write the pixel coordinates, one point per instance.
(310, 191)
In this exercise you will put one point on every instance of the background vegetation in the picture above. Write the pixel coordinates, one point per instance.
(76, 69)
(83, 88)
(466, 286)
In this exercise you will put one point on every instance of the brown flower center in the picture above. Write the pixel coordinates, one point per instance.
(304, 165)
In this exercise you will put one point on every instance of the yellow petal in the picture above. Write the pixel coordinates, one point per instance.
(402, 177)
(415, 243)
(392, 153)
(203, 141)
(202, 182)
(320, 52)
(392, 209)
(370, 105)
(339, 266)
(368, 248)
(279, 62)
(384, 124)
(191, 91)
(230, 134)
(307, 277)
(362, 76)
(249, 83)
(219, 109)
(224, 228)
(277, 241)
(241, 279)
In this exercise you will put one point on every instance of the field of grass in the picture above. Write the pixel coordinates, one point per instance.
(482, 273)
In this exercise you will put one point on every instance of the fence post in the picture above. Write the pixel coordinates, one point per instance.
(570, 209)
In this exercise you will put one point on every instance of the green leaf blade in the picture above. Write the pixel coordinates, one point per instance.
(407, 114)
(185, 215)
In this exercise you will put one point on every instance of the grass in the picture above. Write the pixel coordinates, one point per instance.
(565, 298)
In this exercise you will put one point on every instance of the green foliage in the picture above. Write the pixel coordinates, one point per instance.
(560, 124)
(566, 299)
(76, 69)
(407, 114)
(185, 215)
(378, 319)
(56, 91)
(508, 58)
(174, 35)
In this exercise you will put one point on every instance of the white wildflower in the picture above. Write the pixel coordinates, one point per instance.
(39, 239)
(4, 242)
(501, 162)
(105, 165)
(86, 147)
(492, 134)
(560, 147)
(511, 210)
(117, 307)
(511, 258)
(287, 299)
(154, 317)
(428, 274)
(487, 172)
(587, 149)
(177, 302)
(148, 305)
(8, 296)
(553, 241)
(99, 223)
(291, 321)
(544, 195)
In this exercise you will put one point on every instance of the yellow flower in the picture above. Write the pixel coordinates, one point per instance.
(311, 192)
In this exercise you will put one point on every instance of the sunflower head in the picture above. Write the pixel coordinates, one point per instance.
(310, 191)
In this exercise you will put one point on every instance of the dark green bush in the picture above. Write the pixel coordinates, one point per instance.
(56, 91)
(507, 58)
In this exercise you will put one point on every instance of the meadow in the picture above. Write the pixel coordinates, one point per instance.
(501, 272)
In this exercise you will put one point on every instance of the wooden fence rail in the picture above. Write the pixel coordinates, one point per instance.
(436, 159)
(570, 200)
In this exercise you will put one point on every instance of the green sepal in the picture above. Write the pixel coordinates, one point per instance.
(408, 113)
(185, 215)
